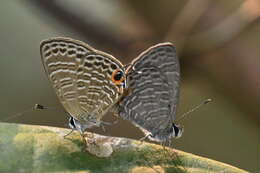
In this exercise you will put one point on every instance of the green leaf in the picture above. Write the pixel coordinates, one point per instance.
(28, 148)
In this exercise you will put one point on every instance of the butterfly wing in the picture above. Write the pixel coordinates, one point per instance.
(153, 82)
(81, 77)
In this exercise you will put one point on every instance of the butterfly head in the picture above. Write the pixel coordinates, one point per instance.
(75, 124)
(177, 130)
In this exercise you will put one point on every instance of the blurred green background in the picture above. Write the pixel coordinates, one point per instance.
(218, 46)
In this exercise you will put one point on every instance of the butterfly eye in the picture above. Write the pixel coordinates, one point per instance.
(118, 77)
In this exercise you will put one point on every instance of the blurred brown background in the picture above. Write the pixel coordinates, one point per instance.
(218, 46)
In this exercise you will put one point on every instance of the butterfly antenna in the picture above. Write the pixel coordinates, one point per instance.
(193, 109)
(42, 107)
(17, 114)
(39, 107)
(35, 107)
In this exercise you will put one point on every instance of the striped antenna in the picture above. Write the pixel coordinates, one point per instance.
(193, 109)
(34, 108)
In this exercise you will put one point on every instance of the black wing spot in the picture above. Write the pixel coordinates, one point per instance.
(99, 58)
(46, 48)
(80, 49)
(71, 52)
(97, 64)
(176, 129)
(104, 66)
(79, 55)
(54, 45)
(109, 72)
(90, 58)
(48, 54)
(62, 44)
(63, 50)
(118, 75)
(71, 46)
(86, 64)
(80, 69)
(107, 61)
(72, 123)
(55, 50)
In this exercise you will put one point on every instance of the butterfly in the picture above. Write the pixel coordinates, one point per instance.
(153, 81)
(87, 82)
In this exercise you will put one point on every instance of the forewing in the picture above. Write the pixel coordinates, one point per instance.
(153, 84)
(81, 77)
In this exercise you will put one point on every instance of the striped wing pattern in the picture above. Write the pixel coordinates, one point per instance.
(81, 77)
(153, 83)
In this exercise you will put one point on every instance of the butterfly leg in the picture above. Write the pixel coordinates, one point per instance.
(143, 138)
(68, 133)
(103, 123)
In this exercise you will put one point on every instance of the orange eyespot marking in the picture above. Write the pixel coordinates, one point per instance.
(117, 77)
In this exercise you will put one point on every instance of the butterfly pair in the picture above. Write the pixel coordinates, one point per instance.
(89, 83)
